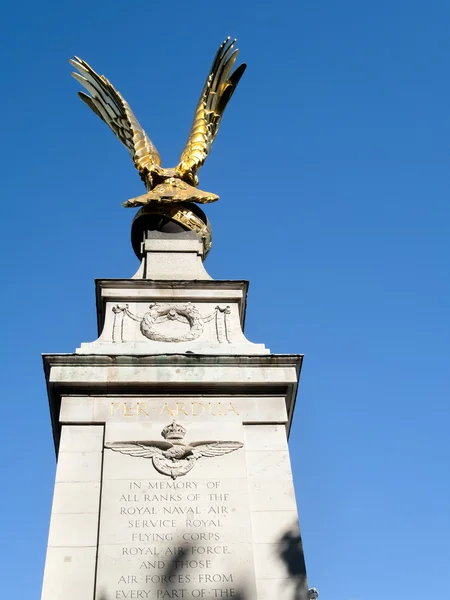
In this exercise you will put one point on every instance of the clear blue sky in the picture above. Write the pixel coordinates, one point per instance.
(332, 165)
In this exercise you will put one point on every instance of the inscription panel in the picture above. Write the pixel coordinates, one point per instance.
(184, 536)
(233, 409)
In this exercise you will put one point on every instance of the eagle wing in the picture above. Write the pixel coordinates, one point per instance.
(210, 449)
(108, 104)
(141, 449)
(218, 89)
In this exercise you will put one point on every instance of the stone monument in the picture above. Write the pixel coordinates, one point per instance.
(173, 476)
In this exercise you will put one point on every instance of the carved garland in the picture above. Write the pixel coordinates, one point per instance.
(184, 313)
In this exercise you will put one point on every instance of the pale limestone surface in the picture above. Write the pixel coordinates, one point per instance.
(171, 306)
(267, 525)
(167, 257)
(200, 317)
(245, 371)
(225, 524)
(72, 543)
(212, 499)
(123, 409)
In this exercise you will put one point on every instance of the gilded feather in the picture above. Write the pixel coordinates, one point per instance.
(166, 185)
(114, 110)
(218, 89)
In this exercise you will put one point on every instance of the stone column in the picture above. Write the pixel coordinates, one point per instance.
(173, 479)
(73, 537)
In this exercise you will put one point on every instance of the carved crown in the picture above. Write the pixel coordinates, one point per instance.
(174, 431)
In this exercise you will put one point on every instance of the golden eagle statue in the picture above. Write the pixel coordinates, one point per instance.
(180, 183)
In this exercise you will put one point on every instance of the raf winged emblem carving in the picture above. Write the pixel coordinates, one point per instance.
(175, 456)
(178, 184)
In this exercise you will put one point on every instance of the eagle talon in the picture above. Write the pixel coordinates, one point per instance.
(172, 192)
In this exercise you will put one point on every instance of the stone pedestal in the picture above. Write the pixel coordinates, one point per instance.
(173, 477)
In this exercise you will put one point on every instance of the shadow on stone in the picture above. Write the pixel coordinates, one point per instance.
(175, 564)
(168, 585)
(290, 549)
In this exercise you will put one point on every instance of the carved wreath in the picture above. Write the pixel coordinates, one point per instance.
(160, 313)
(184, 313)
